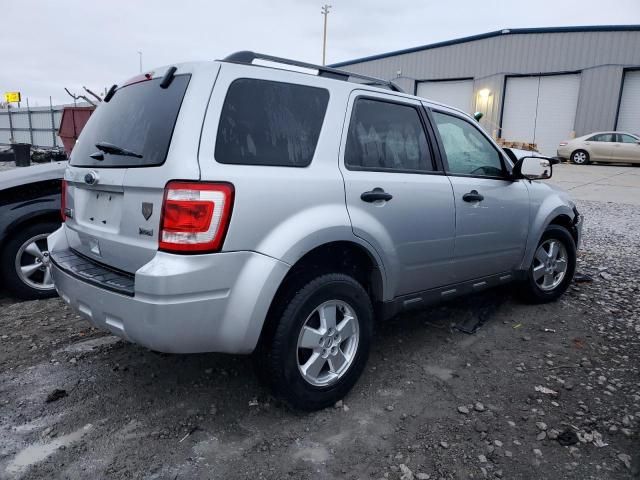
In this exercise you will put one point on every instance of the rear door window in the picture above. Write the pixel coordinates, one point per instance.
(386, 136)
(603, 137)
(270, 123)
(139, 118)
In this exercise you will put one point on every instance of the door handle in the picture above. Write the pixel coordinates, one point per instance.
(472, 196)
(376, 194)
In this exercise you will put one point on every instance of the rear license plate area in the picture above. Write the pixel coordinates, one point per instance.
(101, 210)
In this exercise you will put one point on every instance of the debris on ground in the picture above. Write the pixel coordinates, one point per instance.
(582, 278)
(568, 437)
(190, 432)
(486, 305)
(545, 390)
(56, 395)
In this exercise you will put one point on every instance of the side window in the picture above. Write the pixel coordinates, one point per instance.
(602, 137)
(623, 138)
(386, 136)
(270, 123)
(467, 150)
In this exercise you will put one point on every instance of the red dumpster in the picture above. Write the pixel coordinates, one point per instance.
(73, 121)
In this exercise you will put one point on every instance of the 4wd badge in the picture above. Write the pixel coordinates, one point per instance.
(147, 210)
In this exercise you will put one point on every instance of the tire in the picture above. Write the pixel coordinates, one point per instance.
(543, 290)
(13, 255)
(580, 157)
(281, 353)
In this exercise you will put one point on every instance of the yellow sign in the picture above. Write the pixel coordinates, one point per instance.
(12, 97)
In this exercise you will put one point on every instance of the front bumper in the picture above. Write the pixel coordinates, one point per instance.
(180, 303)
(578, 223)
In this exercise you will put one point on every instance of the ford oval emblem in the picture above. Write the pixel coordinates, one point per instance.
(91, 178)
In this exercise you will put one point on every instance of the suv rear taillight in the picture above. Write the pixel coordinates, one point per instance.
(195, 216)
(63, 200)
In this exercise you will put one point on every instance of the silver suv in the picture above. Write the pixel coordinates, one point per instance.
(236, 207)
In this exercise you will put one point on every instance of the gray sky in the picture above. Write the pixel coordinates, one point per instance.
(46, 45)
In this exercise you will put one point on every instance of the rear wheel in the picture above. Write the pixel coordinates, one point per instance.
(553, 266)
(320, 343)
(23, 264)
(580, 157)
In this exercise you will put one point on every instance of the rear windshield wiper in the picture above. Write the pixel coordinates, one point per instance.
(115, 150)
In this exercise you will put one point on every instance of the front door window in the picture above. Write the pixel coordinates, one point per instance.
(467, 150)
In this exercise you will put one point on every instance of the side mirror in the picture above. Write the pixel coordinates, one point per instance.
(478, 116)
(533, 168)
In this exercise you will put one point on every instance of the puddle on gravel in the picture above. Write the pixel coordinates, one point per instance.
(90, 345)
(390, 392)
(314, 454)
(439, 372)
(37, 452)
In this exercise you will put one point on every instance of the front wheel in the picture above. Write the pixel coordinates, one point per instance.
(320, 343)
(553, 266)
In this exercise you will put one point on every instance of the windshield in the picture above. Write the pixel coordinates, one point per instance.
(139, 118)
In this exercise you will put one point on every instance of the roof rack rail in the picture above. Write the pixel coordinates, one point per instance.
(247, 57)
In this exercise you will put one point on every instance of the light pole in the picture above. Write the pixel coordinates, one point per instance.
(140, 59)
(325, 13)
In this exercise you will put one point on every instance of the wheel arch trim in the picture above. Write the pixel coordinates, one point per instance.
(547, 214)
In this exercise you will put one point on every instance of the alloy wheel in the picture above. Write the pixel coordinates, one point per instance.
(550, 264)
(328, 343)
(32, 265)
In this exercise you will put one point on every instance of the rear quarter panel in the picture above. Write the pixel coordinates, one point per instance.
(283, 212)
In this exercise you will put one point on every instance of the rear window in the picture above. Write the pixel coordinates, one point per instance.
(270, 123)
(139, 118)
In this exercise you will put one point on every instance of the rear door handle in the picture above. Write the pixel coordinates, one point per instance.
(472, 196)
(375, 195)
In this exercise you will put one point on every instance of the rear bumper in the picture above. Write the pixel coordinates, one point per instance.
(180, 303)
(563, 153)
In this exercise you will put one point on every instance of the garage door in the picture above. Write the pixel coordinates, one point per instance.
(455, 93)
(540, 110)
(629, 114)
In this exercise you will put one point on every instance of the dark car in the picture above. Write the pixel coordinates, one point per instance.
(29, 212)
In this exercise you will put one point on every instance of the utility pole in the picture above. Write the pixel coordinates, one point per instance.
(325, 13)
(140, 59)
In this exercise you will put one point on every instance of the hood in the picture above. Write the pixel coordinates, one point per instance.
(35, 173)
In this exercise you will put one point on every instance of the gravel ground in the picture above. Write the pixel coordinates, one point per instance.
(549, 391)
